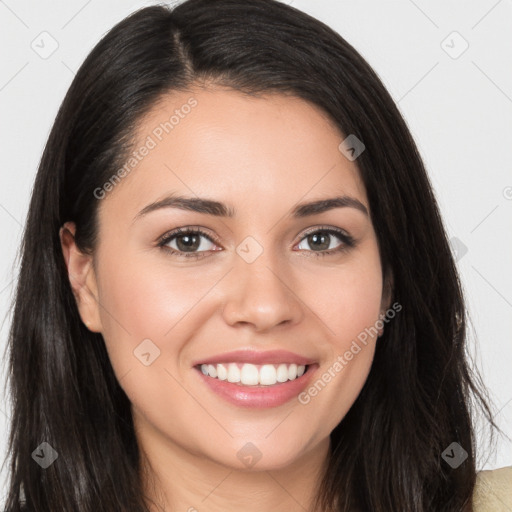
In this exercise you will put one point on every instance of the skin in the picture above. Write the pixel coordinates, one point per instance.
(261, 156)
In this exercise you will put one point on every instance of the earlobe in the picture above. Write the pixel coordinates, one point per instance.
(82, 278)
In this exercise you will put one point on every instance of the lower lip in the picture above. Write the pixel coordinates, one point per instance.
(259, 397)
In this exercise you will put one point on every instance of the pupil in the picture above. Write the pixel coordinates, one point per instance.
(316, 237)
(187, 242)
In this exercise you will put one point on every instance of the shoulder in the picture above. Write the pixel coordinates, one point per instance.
(493, 490)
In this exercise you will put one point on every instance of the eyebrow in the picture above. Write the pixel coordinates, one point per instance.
(219, 209)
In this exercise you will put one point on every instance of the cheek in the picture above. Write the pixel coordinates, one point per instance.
(348, 297)
(156, 302)
(348, 300)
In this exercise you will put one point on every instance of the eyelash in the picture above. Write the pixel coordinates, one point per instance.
(347, 241)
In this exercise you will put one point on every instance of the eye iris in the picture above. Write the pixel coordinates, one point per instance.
(188, 242)
(319, 237)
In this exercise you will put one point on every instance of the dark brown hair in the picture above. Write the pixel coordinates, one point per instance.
(419, 396)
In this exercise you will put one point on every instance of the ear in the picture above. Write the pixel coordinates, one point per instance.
(81, 277)
(387, 292)
(387, 296)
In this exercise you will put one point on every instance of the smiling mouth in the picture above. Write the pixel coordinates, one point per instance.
(248, 374)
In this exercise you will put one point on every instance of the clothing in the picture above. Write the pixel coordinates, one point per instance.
(493, 491)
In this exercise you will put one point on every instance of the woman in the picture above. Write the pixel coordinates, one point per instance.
(236, 291)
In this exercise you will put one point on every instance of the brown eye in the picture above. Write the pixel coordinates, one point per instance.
(187, 242)
(319, 240)
(322, 241)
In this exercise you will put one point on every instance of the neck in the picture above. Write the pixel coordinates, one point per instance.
(176, 480)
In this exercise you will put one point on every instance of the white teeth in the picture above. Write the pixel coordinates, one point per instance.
(254, 375)
(282, 373)
(249, 375)
(222, 373)
(212, 370)
(268, 375)
(233, 373)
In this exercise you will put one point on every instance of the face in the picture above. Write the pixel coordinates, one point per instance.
(256, 287)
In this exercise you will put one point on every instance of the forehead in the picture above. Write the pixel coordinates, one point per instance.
(249, 152)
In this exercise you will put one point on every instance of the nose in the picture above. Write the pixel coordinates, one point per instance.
(261, 294)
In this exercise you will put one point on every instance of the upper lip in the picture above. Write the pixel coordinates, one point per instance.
(256, 357)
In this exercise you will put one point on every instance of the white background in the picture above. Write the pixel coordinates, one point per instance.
(459, 111)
